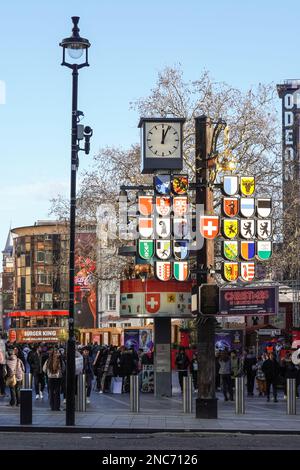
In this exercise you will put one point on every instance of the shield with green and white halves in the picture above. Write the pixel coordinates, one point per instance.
(264, 250)
(146, 249)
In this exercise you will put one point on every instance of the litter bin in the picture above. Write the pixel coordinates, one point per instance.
(25, 406)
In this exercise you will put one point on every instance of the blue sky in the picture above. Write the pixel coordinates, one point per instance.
(242, 43)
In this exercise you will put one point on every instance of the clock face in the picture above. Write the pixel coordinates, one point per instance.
(163, 139)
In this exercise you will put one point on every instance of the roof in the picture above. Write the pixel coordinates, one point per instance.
(9, 244)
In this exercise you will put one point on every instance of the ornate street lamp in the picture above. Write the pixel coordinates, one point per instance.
(76, 47)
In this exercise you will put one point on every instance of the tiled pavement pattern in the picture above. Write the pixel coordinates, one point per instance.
(113, 412)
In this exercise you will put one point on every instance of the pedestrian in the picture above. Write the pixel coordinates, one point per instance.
(235, 364)
(128, 367)
(289, 371)
(260, 377)
(182, 362)
(194, 370)
(271, 370)
(14, 378)
(54, 368)
(87, 370)
(225, 375)
(36, 361)
(250, 371)
(3, 373)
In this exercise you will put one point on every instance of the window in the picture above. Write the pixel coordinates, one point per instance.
(40, 256)
(125, 325)
(44, 301)
(112, 325)
(111, 302)
(44, 278)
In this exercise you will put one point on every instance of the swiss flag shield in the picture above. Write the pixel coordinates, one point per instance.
(152, 302)
(209, 226)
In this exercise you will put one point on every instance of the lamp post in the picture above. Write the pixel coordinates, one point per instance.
(76, 47)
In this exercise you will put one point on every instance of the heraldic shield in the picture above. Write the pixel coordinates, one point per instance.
(247, 228)
(180, 184)
(181, 270)
(152, 302)
(209, 226)
(247, 271)
(264, 250)
(163, 205)
(145, 204)
(180, 205)
(181, 249)
(145, 227)
(247, 250)
(146, 249)
(230, 206)
(247, 206)
(264, 228)
(230, 249)
(163, 249)
(247, 185)
(230, 185)
(163, 270)
(162, 184)
(263, 207)
(163, 227)
(230, 271)
(180, 227)
(230, 228)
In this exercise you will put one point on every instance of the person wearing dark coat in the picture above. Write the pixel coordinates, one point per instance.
(250, 371)
(87, 370)
(182, 363)
(36, 362)
(290, 371)
(127, 367)
(271, 370)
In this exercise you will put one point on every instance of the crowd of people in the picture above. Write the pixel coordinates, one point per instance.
(267, 371)
(47, 366)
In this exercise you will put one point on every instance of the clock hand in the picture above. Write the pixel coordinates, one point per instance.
(164, 133)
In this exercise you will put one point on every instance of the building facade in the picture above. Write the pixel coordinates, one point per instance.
(40, 282)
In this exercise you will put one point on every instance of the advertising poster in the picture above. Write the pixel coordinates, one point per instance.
(85, 281)
(230, 339)
(254, 301)
(145, 340)
(131, 339)
(148, 379)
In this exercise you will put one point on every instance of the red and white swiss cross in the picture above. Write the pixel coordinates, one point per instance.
(152, 302)
(209, 226)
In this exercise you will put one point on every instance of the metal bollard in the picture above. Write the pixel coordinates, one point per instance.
(25, 406)
(187, 394)
(27, 380)
(240, 395)
(291, 396)
(134, 394)
(80, 398)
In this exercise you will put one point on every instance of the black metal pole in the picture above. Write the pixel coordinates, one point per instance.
(206, 403)
(71, 345)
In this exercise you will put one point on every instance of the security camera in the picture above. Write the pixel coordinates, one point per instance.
(88, 132)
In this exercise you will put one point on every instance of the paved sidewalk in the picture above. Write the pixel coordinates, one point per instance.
(112, 412)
